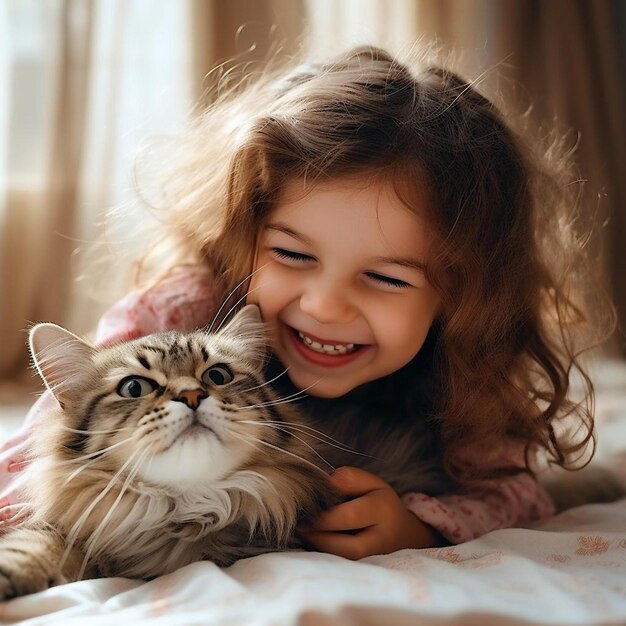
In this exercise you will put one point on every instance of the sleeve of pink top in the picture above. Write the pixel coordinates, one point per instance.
(492, 505)
(182, 302)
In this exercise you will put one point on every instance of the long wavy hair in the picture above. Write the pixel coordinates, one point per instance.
(513, 275)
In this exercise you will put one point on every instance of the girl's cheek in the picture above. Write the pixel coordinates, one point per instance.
(269, 288)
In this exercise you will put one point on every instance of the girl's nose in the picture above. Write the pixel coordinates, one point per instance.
(327, 304)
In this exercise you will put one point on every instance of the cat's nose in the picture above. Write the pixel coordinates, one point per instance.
(191, 397)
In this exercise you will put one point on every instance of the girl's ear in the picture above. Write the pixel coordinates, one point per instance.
(248, 326)
(60, 358)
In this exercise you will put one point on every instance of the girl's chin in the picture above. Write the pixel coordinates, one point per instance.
(325, 391)
(332, 385)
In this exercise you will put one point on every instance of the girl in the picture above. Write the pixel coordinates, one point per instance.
(404, 246)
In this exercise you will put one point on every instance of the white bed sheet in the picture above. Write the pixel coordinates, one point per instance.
(565, 571)
(569, 570)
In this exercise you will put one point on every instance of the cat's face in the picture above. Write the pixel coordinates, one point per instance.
(175, 409)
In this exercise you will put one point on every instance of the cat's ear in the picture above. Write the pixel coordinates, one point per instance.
(60, 358)
(248, 326)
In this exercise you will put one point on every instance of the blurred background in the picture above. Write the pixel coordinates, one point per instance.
(83, 84)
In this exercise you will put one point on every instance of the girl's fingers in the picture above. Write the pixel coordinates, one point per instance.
(348, 546)
(353, 481)
(351, 515)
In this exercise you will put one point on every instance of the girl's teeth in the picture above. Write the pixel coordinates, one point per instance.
(325, 348)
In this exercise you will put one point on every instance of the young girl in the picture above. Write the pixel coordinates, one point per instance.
(401, 240)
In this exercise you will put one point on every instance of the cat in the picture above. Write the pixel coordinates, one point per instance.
(174, 448)
(158, 455)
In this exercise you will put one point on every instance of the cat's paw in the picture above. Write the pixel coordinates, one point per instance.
(22, 573)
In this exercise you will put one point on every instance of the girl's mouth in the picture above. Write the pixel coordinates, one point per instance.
(327, 353)
(322, 347)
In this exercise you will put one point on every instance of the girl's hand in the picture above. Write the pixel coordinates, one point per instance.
(374, 521)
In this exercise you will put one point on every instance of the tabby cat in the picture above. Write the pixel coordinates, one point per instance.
(173, 448)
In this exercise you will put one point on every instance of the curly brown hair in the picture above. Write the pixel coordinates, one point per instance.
(514, 277)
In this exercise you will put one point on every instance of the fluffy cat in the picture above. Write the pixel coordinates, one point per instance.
(157, 457)
(172, 448)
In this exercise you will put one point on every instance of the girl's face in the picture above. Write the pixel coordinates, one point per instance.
(339, 284)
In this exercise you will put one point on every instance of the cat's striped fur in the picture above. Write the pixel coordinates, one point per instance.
(200, 467)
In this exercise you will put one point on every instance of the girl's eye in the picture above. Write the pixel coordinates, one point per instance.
(387, 280)
(290, 255)
(218, 375)
(136, 387)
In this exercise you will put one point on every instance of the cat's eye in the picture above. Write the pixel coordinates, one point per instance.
(136, 387)
(218, 375)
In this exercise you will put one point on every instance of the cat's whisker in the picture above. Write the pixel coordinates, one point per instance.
(219, 328)
(300, 426)
(249, 440)
(286, 399)
(269, 382)
(312, 432)
(85, 466)
(94, 432)
(95, 535)
(295, 437)
(319, 435)
(96, 453)
(78, 470)
(262, 405)
(94, 456)
(73, 533)
(217, 314)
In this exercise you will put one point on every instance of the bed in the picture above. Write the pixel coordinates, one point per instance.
(567, 570)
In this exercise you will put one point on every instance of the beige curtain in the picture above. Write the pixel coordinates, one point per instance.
(82, 82)
(43, 151)
(240, 31)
